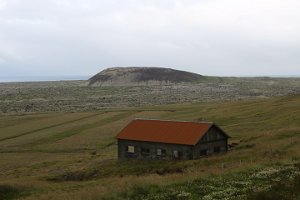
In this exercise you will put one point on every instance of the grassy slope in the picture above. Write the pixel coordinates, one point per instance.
(73, 155)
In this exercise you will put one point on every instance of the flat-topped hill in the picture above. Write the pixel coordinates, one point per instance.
(142, 75)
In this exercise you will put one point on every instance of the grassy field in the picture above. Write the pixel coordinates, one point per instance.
(74, 155)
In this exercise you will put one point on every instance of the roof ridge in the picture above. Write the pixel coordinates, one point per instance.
(169, 120)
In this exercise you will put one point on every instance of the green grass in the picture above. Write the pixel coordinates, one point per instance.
(268, 181)
(12, 192)
(114, 168)
(74, 155)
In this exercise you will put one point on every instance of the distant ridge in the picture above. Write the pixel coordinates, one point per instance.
(142, 75)
(16, 79)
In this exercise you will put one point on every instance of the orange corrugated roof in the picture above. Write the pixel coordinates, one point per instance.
(175, 132)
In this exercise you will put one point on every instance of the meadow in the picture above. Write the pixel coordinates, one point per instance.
(73, 155)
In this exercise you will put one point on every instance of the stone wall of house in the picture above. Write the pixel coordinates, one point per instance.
(149, 150)
(213, 142)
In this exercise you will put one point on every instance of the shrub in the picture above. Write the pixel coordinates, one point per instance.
(10, 192)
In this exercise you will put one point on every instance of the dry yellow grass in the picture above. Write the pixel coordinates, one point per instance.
(36, 147)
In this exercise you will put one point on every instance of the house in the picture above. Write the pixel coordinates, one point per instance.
(161, 139)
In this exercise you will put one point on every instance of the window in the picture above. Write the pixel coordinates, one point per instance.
(175, 154)
(217, 149)
(160, 152)
(203, 152)
(145, 151)
(130, 149)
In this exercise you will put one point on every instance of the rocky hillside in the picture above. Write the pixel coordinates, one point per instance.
(141, 75)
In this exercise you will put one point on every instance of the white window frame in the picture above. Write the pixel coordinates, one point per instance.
(130, 149)
(159, 152)
(176, 154)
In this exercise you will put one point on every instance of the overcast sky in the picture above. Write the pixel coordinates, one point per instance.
(210, 37)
